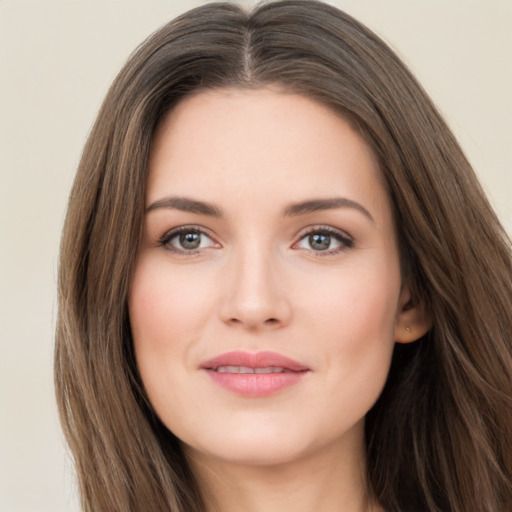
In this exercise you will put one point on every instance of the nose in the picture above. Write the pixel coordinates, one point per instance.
(255, 296)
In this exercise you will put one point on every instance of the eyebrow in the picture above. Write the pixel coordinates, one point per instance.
(315, 205)
(186, 204)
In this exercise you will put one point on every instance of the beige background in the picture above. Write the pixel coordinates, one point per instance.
(56, 61)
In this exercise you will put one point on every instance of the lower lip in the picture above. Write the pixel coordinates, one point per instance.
(255, 384)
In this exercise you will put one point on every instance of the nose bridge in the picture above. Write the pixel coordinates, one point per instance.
(255, 295)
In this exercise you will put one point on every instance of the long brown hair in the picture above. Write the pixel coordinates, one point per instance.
(440, 436)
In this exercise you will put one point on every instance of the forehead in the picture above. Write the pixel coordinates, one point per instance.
(232, 141)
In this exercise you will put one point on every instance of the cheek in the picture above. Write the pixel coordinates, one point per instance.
(354, 320)
(355, 301)
(167, 312)
(165, 307)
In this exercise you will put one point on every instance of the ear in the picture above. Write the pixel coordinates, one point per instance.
(412, 321)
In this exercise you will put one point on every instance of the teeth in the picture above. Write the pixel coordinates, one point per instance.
(272, 369)
(247, 369)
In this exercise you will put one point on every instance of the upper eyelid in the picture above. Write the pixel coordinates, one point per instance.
(188, 227)
(322, 227)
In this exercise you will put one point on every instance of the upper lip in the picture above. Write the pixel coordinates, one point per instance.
(254, 360)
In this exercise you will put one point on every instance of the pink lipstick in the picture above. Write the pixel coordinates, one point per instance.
(256, 375)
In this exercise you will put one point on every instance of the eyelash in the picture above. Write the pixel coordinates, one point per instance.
(166, 239)
(345, 240)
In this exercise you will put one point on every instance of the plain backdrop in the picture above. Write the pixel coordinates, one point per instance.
(57, 60)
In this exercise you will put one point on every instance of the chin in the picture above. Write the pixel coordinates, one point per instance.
(259, 445)
(254, 452)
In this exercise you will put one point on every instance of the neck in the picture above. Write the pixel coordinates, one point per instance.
(330, 479)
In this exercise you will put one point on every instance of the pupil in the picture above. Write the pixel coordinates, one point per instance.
(190, 240)
(319, 241)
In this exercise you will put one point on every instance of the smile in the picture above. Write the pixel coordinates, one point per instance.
(254, 375)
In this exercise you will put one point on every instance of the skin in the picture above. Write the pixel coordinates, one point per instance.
(258, 282)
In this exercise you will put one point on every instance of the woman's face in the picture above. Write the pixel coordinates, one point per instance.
(267, 293)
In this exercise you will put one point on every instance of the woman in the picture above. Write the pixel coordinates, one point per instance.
(281, 285)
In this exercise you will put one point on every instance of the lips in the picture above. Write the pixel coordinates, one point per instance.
(258, 360)
(259, 374)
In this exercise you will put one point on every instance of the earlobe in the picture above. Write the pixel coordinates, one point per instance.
(413, 320)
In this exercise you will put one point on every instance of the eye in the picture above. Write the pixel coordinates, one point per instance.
(187, 240)
(325, 240)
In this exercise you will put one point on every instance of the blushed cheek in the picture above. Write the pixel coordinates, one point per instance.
(152, 325)
(374, 312)
(166, 308)
(360, 319)
(146, 313)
